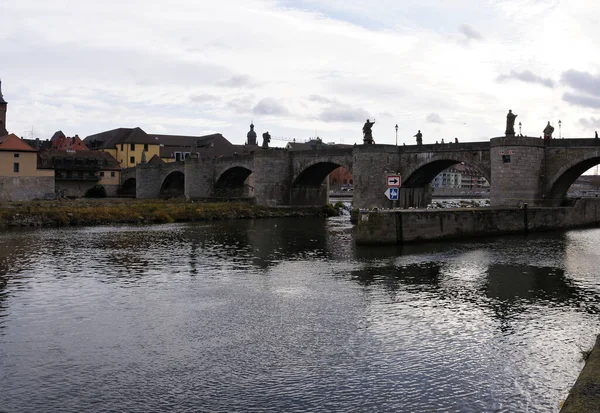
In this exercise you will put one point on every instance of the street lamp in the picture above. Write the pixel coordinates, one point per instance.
(559, 129)
(396, 134)
(520, 129)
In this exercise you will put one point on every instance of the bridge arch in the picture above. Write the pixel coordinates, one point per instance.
(421, 174)
(309, 186)
(173, 185)
(232, 183)
(560, 182)
(128, 187)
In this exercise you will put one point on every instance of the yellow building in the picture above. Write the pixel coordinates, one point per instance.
(129, 146)
(21, 178)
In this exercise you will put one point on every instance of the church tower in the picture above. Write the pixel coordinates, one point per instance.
(251, 135)
(3, 107)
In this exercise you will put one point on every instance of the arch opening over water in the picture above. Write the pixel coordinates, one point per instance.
(233, 183)
(310, 188)
(128, 187)
(566, 177)
(173, 185)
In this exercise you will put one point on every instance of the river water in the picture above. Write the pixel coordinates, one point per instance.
(289, 315)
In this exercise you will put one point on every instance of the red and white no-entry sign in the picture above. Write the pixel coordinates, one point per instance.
(394, 180)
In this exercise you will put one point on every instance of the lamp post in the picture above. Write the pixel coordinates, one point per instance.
(520, 129)
(396, 134)
(559, 129)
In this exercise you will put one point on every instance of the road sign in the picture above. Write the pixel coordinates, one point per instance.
(394, 180)
(392, 194)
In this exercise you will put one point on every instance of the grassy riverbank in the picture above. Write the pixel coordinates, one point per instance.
(131, 211)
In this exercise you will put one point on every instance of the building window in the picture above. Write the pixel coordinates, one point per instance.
(506, 158)
(132, 147)
(101, 173)
(112, 174)
(177, 156)
(16, 167)
(186, 155)
(16, 155)
(132, 159)
(146, 147)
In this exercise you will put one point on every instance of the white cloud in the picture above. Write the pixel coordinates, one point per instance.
(296, 66)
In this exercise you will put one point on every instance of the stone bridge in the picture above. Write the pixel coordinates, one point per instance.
(519, 169)
(537, 171)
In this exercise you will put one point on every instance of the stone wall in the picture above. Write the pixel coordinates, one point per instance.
(198, 178)
(584, 397)
(371, 165)
(518, 170)
(22, 188)
(272, 177)
(390, 227)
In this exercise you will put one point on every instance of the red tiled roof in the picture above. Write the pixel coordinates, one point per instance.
(14, 144)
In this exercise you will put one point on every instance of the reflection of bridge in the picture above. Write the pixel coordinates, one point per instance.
(519, 169)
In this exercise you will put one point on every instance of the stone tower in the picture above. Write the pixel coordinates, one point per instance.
(251, 135)
(3, 107)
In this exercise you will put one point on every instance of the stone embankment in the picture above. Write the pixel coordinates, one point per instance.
(584, 397)
(405, 226)
(124, 211)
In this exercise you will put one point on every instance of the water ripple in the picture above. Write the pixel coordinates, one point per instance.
(290, 315)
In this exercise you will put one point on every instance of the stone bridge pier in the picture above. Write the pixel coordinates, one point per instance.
(536, 171)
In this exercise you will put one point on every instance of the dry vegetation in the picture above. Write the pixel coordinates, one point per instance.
(96, 212)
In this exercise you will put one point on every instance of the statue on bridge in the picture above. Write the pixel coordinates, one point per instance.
(510, 123)
(548, 131)
(368, 133)
(266, 140)
(419, 137)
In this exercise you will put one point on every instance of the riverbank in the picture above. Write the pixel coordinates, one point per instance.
(82, 212)
(584, 397)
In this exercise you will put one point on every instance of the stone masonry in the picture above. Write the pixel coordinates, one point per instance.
(519, 169)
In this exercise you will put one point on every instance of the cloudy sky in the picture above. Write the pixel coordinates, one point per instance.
(301, 67)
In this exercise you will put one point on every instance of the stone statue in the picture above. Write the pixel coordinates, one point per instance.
(266, 140)
(548, 131)
(251, 135)
(143, 156)
(368, 133)
(510, 123)
(419, 137)
(596, 134)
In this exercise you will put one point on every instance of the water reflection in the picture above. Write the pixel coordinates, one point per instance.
(290, 315)
(422, 276)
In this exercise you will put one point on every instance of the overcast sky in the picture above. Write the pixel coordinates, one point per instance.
(451, 68)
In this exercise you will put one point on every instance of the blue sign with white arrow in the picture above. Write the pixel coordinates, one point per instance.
(392, 193)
